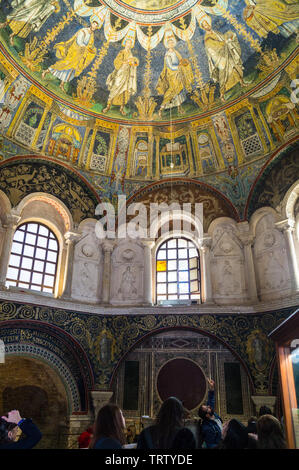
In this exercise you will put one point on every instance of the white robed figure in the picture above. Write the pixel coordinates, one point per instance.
(122, 82)
(29, 15)
(224, 56)
(176, 77)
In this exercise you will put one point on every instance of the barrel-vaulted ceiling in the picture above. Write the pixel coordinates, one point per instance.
(131, 92)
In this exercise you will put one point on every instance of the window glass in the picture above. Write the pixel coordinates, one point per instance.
(178, 270)
(33, 244)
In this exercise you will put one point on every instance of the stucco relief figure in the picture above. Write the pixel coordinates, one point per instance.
(127, 288)
(29, 15)
(224, 57)
(228, 285)
(87, 281)
(274, 273)
(265, 16)
(75, 55)
(122, 82)
(176, 77)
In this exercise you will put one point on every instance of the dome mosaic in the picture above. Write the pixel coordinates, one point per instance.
(130, 91)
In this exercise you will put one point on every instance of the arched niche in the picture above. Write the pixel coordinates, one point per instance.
(30, 385)
(88, 264)
(272, 268)
(141, 381)
(51, 345)
(48, 209)
(227, 262)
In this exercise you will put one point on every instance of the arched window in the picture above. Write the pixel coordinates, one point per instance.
(33, 258)
(178, 270)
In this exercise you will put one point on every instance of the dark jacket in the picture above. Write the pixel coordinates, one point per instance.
(107, 443)
(183, 438)
(210, 430)
(32, 437)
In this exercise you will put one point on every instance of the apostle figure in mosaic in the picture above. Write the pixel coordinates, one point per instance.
(176, 78)
(265, 16)
(75, 55)
(29, 15)
(224, 56)
(122, 82)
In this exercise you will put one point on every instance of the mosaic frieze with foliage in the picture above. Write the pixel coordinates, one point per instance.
(275, 181)
(107, 338)
(18, 179)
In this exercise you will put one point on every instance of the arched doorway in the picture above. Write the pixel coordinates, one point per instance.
(36, 390)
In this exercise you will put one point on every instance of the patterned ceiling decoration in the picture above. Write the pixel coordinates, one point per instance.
(131, 92)
(18, 178)
(148, 59)
(177, 191)
(275, 180)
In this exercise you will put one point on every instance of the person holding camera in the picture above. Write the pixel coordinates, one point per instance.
(8, 427)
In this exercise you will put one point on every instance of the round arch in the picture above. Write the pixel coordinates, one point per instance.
(56, 348)
(281, 157)
(56, 206)
(185, 328)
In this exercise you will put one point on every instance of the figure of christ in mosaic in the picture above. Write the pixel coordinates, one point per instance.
(29, 15)
(75, 55)
(265, 16)
(224, 57)
(122, 82)
(176, 77)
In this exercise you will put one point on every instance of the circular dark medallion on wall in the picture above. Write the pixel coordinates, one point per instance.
(183, 379)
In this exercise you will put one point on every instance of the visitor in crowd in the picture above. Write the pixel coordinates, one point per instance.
(85, 438)
(210, 427)
(168, 432)
(235, 436)
(265, 410)
(9, 429)
(251, 425)
(269, 433)
(109, 428)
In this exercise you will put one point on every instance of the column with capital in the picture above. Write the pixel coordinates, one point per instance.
(108, 247)
(205, 248)
(247, 239)
(148, 271)
(288, 227)
(264, 400)
(70, 240)
(9, 226)
(100, 398)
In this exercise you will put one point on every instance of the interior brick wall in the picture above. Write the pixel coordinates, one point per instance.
(36, 390)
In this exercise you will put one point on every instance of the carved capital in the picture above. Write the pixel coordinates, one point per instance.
(246, 238)
(11, 221)
(100, 398)
(148, 242)
(71, 237)
(108, 246)
(205, 244)
(264, 400)
(286, 225)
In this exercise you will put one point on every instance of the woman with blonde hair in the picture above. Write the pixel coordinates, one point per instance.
(109, 428)
(270, 434)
